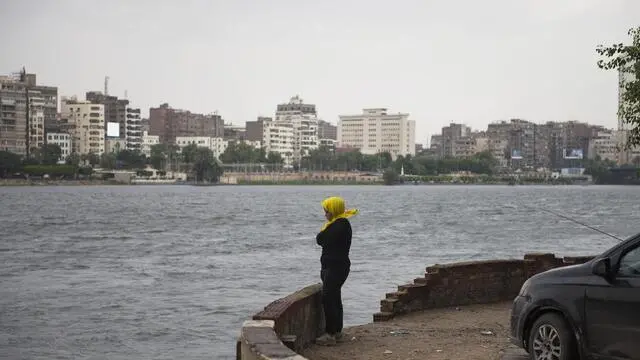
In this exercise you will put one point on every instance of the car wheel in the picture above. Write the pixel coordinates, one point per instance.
(551, 338)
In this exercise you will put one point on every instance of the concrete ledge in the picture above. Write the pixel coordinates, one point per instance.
(259, 341)
(284, 327)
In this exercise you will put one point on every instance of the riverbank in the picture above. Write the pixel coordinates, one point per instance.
(24, 182)
(467, 332)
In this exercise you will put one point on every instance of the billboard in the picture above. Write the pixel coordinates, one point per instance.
(573, 154)
(113, 129)
(516, 154)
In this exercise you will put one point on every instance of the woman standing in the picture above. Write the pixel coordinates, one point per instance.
(335, 239)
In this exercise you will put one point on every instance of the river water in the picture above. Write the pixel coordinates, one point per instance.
(170, 272)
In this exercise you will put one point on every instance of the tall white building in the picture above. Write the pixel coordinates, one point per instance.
(376, 131)
(133, 129)
(279, 138)
(63, 141)
(302, 119)
(87, 127)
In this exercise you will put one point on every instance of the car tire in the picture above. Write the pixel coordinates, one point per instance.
(551, 338)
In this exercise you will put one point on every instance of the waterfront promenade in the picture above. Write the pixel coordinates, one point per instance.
(468, 332)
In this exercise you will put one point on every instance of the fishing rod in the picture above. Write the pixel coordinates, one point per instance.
(577, 222)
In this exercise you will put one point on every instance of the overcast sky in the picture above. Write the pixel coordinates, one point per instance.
(464, 61)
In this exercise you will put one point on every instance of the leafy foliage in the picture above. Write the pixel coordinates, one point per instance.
(205, 165)
(626, 59)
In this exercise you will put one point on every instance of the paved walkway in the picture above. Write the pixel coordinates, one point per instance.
(476, 332)
(515, 354)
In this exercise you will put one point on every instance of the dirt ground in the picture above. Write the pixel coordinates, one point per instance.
(469, 332)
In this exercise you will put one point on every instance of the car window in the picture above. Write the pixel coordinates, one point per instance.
(630, 263)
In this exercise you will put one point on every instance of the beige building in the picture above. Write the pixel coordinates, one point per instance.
(115, 145)
(376, 131)
(604, 145)
(86, 125)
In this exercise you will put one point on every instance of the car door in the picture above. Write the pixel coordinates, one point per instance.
(612, 310)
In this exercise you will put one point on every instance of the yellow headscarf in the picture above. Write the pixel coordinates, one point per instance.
(335, 206)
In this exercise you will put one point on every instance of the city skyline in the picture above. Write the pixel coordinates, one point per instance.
(530, 61)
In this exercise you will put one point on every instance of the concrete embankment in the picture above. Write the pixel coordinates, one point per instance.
(288, 326)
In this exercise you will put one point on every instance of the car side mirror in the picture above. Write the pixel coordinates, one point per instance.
(602, 267)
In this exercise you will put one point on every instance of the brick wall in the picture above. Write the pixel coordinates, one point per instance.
(284, 327)
(467, 283)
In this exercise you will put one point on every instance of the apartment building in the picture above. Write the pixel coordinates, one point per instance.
(169, 123)
(23, 128)
(604, 145)
(455, 135)
(63, 141)
(115, 110)
(133, 130)
(304, 120)
(216, 144)
(255, 129)
(148, 141)
(87, 129)
(114, 145)
(279, 137)
(376, 131)
(327, 130)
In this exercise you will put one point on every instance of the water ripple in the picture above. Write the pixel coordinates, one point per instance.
(165, 272)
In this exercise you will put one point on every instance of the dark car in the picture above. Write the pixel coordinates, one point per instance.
(587, 311)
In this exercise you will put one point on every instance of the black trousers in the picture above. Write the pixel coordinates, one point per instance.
(332, 281)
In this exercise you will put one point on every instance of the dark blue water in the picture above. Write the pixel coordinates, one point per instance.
(171, 272)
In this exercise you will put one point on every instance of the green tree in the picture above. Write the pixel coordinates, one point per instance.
(188, 154)
(205, 166)
(274, 158)
(49, 154)
(242, 153)
(130, 159)
(108, 161)
(9, 163)
(73, 159)
(390, 177)
(626, 59)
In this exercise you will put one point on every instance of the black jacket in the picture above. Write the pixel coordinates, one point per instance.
(336, 243)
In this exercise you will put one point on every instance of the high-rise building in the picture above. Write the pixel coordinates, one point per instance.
(376, 131)
(86, 125)
(133, 131)
(304, 120)
(115, 110)
(169, 123)
(23, 128)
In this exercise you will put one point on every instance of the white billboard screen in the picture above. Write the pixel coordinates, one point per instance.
(113, 129)
(573, 154)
